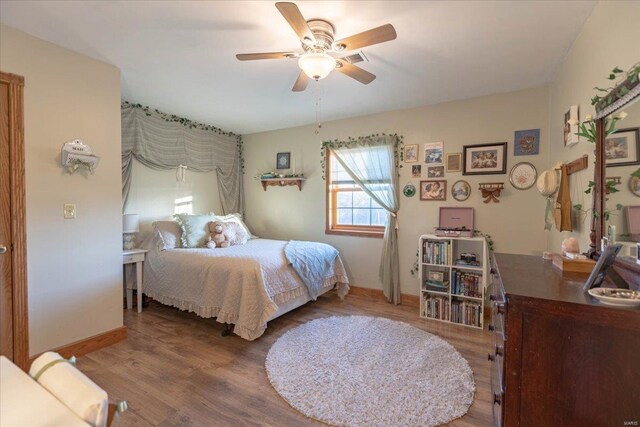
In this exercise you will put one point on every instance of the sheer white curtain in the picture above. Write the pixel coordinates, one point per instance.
(371, 163)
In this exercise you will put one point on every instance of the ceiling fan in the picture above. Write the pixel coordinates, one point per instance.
(317, 37)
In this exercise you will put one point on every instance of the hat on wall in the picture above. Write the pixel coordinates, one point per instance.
(547, 183)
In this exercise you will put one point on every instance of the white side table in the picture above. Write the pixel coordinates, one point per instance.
(134, 256)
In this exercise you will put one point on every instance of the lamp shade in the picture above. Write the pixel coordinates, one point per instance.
(316, 65)
(130, 223)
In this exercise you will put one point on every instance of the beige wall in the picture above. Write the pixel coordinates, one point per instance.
(516, 223)
(74, 266)
(609, 38)
(153, 194)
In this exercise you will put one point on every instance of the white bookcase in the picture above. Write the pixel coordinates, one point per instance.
(460, 299)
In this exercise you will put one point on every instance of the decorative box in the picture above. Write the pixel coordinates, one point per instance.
(455, 222)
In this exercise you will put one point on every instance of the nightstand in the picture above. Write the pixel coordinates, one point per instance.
(134, 257)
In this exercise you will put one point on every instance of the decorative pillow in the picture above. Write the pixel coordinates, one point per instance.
(71, 387)
(235, 233)
(170, 233)
(195, 229)
(237, 218)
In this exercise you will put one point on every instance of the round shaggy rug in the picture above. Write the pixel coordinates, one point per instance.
(370, 371)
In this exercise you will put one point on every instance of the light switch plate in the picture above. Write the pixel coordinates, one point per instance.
(69, 211)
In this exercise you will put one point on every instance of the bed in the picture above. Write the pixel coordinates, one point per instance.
(246, 285)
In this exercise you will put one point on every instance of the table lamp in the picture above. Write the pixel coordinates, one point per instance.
(130, 226)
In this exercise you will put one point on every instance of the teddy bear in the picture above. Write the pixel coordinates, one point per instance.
(217, 238)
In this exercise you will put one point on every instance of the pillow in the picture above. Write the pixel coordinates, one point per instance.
(170, 234)
(236, 217)
(235, 233)
(195, 229)
(71, 387)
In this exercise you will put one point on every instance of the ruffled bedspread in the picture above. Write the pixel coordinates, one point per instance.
(242, 284)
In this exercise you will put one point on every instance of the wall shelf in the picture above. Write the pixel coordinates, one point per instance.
(282, 182)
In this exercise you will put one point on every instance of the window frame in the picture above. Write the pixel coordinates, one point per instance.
(331, 211)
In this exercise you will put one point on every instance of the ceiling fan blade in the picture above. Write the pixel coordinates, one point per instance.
(355, 72)
(367, 38)
(301, 82)
(293, 16)
(266, 55)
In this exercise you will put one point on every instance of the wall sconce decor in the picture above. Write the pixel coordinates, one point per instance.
(491, 191)
(76, 154)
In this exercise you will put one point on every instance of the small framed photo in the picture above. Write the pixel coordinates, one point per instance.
(434, 153)
(411, 153)
(484, 159)
(623, 148)
(433, 190)
(283, 161)
(526, 142)
(461, 190)
(454, 162)
(570, 137)
(416, 171)
(435, 171)
(435, 276)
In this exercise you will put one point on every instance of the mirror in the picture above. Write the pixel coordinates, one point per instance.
(622, 158)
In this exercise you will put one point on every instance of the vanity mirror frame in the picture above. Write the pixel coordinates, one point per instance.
(598, 226)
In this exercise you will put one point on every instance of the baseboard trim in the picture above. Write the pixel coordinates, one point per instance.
(406, 299)
(91, 344)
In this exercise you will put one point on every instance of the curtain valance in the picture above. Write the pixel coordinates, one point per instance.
(161, 141)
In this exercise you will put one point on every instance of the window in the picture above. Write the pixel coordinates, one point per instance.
(183, 205)
(349, 209)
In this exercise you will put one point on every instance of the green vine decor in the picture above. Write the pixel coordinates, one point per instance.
(609, 189)
(612, 94)
(191, 124)
(587, 129)
(398, 152)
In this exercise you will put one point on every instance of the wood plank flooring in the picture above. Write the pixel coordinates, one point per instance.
(176, 369)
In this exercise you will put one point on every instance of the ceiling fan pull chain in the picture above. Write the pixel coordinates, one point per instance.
(318, 108)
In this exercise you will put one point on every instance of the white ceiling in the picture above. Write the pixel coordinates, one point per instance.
(180, 56)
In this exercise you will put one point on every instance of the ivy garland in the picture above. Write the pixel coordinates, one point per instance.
(398, 152)
(191, 124)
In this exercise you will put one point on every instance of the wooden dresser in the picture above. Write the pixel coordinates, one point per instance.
(560, 357)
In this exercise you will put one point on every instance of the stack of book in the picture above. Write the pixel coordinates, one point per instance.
(466, 312)
(436, 307)
(467, 284)
(436, 252)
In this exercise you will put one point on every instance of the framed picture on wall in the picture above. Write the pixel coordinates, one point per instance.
(526, 142)
(411, 153)
(454, 162)
(434, 153)
(623, 148)
(283, 160)
(570, 137)
(435, 171)
(484, 159)
(416, 171)
(433, 190)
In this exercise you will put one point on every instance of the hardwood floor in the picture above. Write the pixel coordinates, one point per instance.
(175, 369)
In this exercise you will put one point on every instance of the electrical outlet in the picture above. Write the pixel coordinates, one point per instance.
(69, 211)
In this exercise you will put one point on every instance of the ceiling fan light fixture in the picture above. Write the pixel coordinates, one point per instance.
(316, 65)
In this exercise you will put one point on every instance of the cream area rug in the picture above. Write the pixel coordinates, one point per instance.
(370, 371)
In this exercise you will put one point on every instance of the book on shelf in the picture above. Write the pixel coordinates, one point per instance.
(436, 252)
(436, 307)
(466, 312)
(466, 284)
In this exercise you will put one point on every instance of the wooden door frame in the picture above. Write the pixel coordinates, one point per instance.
(18, 248)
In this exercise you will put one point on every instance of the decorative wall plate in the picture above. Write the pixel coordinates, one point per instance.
(523, 176)
(461, 190)
(409, 190)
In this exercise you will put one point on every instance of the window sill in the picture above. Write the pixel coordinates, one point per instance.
(356, 233)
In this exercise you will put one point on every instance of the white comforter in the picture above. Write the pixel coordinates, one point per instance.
(242, 284)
